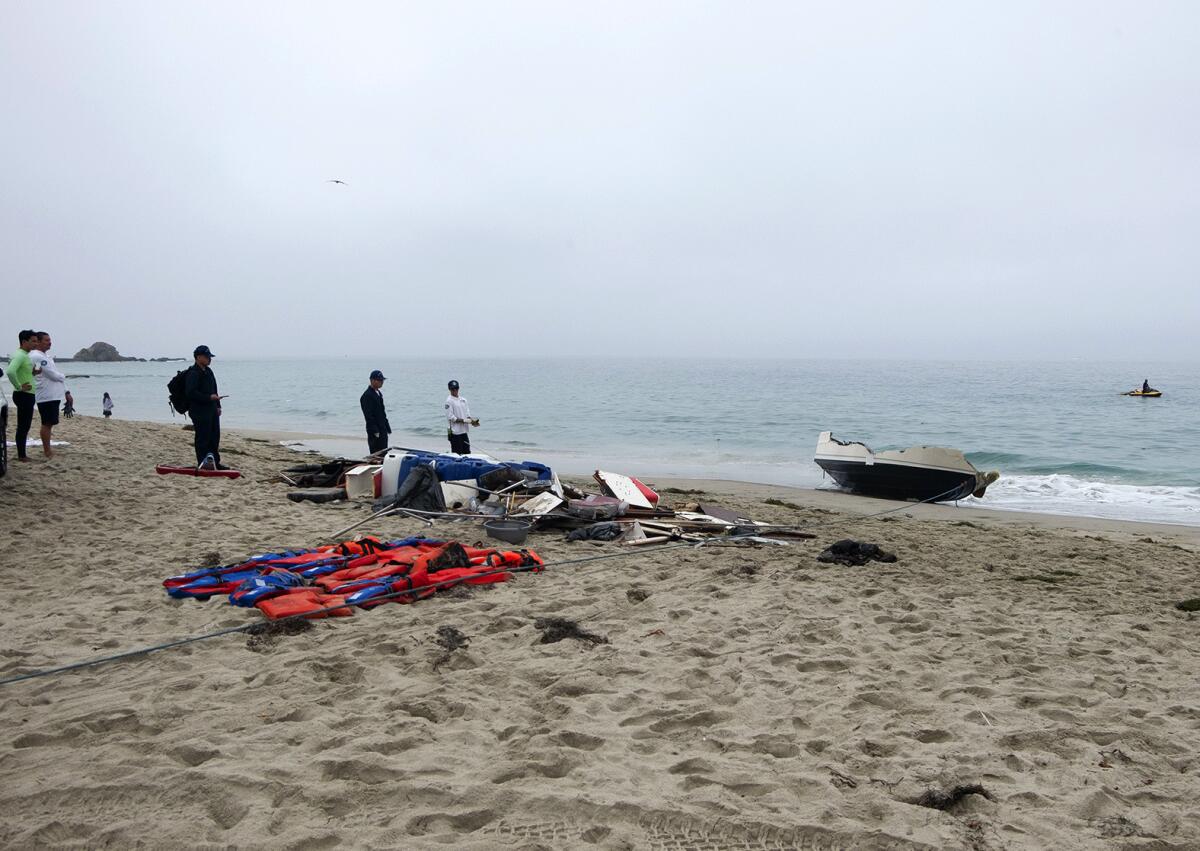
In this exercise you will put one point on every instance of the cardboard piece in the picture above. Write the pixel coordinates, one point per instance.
(541, 504)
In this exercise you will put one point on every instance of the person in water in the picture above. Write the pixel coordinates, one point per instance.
(374, 412)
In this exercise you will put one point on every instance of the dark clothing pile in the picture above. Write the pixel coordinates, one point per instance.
(597, 532)
(378, 427)
(200, 387)
(331, 474)
(854, 554)
(420, 490)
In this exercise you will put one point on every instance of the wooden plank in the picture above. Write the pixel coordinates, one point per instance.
(721, 513)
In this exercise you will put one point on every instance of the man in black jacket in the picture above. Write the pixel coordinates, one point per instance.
(204, 407)
(375, 414)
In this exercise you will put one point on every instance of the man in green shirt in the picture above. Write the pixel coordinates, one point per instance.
(20, 375)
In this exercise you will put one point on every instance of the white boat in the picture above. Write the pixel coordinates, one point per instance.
(921, 473)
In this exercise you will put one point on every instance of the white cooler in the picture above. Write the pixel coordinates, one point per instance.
(361, 481)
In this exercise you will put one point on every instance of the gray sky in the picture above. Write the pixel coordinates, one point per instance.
(793, 179)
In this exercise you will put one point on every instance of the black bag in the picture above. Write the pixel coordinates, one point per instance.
(177, 391)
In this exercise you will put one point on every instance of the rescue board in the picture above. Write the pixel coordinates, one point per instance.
(164, 469)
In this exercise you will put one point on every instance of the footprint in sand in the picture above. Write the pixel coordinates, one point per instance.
(450, 822)
(579, 741)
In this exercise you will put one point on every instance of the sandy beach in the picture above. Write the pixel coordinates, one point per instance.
(744, 697)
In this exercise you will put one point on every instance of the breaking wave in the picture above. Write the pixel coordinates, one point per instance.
(1066, 494)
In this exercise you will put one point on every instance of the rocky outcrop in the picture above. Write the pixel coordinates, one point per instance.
(100, 353)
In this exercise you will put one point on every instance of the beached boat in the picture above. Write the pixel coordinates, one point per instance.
(924, 473)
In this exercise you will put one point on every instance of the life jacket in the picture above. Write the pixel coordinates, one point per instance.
(303, 601)
(396, 559)
(363, 546)
(367, 595)
(368, 545)
(193, 575)
(335, 583)
(389, 569)
(513, 558)
(470, 575)
(323, 568)
(304, 559)
(205, 585)
(448, 555)
(265, 585)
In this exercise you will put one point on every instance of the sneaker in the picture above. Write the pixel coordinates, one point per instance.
(209, 463)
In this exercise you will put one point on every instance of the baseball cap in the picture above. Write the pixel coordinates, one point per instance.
(203, 350)
(453, 385)
(377, 375)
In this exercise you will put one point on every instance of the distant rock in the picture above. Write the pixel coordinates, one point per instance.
(100, 353)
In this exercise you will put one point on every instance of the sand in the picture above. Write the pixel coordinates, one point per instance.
(745, 698)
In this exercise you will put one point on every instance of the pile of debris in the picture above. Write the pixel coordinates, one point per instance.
(528, 497)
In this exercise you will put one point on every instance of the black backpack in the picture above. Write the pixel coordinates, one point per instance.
(177, 391)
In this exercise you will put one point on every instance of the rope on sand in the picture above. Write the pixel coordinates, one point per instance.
(167, 645)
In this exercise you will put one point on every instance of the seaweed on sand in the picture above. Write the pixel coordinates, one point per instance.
(556, 629)
(262, 636)
(946, 799)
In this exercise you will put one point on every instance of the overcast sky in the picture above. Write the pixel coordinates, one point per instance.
(771, 179)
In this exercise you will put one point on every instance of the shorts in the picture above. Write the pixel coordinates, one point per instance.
(108, 413)
(48, 411)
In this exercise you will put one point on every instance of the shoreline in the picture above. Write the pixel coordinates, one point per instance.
(838, 500)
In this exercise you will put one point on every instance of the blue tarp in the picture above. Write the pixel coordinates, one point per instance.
(454, 468)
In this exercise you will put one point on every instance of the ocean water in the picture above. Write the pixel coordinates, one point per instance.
(1060, 434)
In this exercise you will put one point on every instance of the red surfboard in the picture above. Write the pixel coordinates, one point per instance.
(163, 469)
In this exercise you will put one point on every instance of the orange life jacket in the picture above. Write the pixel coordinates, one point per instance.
(303, 601)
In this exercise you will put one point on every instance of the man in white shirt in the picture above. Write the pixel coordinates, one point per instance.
(458, 414)
(51, 388)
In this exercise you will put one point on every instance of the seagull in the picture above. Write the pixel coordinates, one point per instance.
(344, 183)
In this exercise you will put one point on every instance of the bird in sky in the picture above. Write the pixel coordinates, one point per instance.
(344, 183)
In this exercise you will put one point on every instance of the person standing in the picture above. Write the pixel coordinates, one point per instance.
(51, 388)
(458, 414)
(107, 404)
(204, 407)
(375, 414)
(68, 406)
(20, 375)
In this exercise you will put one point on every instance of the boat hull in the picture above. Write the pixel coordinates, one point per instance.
(899, 481)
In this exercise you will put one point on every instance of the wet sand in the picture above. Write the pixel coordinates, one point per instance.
(745, 698)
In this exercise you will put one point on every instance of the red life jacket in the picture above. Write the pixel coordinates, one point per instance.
(303, 601)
